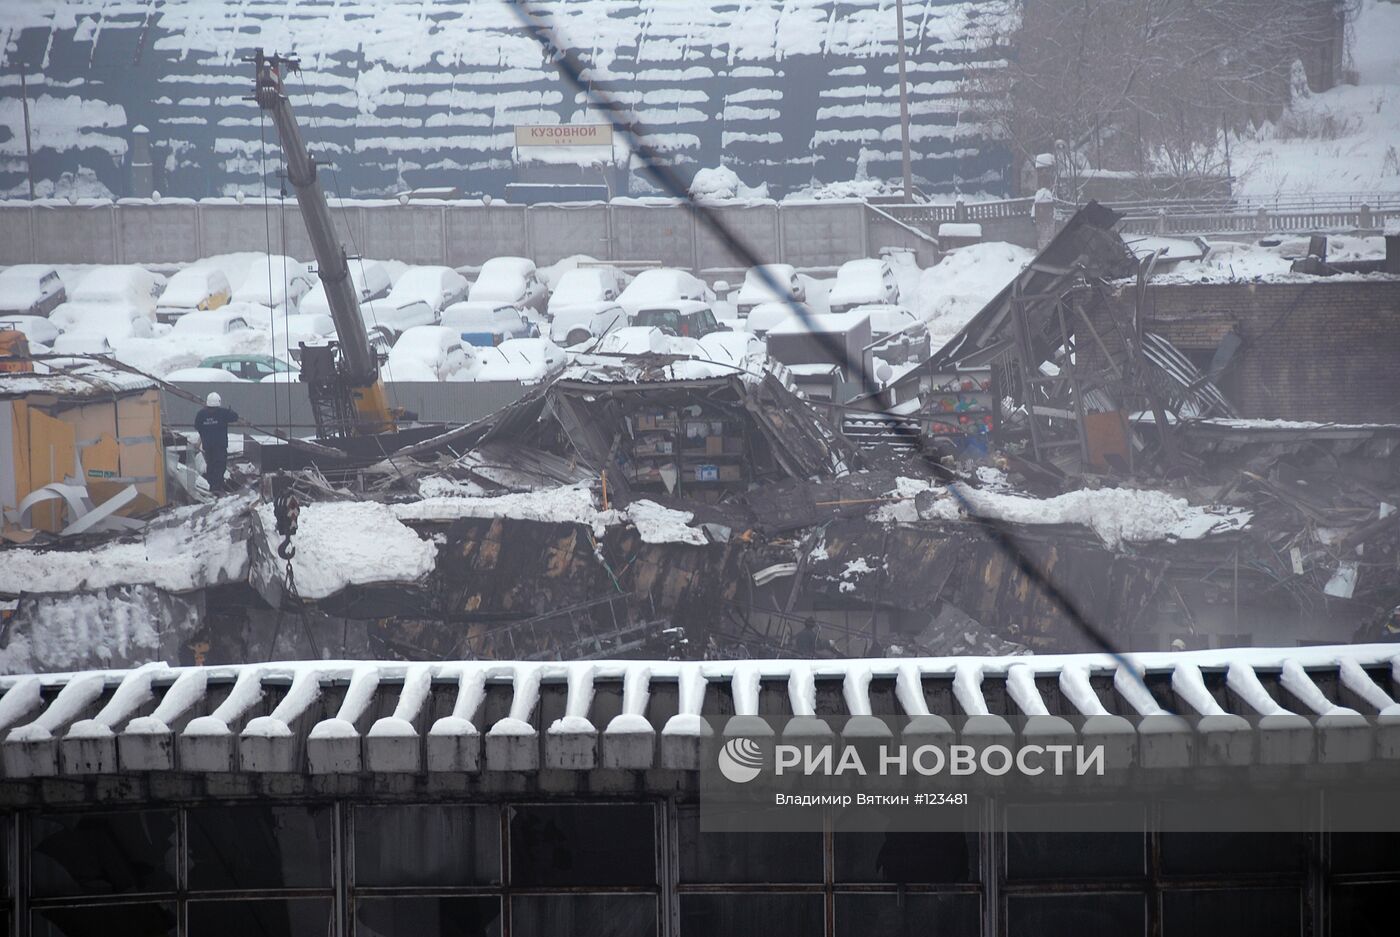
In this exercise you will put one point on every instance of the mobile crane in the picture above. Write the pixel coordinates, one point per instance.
(342, 377)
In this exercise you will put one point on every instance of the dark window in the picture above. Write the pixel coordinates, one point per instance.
(903, 857)
(297, 917)
(129, 920)
(259, 847)
(1039, 856)
(1075, 915)
(1035, 855)
(1213, 853)
(741, 857)
(427, 845)
(103, 853)
(906, 915)
(420, 917)
(752, 915)
(584, 915)
(1267, 912)
(1365, 910)
(591, 844)
(1365, 852)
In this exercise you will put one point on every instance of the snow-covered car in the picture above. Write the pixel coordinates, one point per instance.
(661, 285)
(250, 367)
(213, 322)
(30, 290)
(755, 290)
(275, 281)
(37, 329)
(288, 332)
(116, 319)
(586, 286)
(128, 283)
(634, 340)
(512, 280)
(526, 360)
(683, 318)
(485, 324)
(744, 350)
(203, 376)
(429, 353)
(81, 343)
(197, 287)
(435, 287)
(896, 334)
(764, 316)
(863, 282)
(583, 322)
(370, 279)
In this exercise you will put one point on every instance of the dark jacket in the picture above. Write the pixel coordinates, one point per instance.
(212, 424)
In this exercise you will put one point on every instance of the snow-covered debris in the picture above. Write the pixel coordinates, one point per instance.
(1115, 515)
(952, 292)
(186, 549)
(570, 504)
(349, 543)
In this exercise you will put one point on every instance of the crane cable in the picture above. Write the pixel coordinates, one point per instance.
(267, 231)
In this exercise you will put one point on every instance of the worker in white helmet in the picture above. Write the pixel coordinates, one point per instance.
(212, 422)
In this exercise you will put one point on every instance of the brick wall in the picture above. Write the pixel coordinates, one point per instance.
(1324, 349)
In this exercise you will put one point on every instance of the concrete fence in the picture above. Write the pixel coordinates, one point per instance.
(453, 233)
(286, 407)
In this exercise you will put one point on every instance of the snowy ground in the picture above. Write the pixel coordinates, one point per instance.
(1343, 140)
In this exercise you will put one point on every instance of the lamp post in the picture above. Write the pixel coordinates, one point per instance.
(904, 105)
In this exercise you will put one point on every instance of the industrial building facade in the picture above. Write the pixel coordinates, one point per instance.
(354, 799)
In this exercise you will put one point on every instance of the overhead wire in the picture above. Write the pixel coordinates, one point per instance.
(572, 70)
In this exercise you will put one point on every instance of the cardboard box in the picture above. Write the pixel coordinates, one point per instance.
(714, 445)
(733, 472)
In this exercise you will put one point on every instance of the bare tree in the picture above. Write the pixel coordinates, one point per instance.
(1146, 86)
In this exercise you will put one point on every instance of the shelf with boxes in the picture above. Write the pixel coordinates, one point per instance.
(673, 448)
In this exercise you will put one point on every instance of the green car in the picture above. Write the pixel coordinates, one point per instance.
(249, 367)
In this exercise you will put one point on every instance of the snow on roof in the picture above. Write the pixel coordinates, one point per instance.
(1115, 515)
(350, 543)
(471, 738)
(182, 550)
(80, 379)
(569, 504)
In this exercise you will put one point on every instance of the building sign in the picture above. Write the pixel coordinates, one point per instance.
(565, 135)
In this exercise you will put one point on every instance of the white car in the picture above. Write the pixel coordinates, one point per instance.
(197, 287)
(586, 286)
(766, 315)
(756, 291)
(116, 319)
(663, 285)
(634, 340)
(512, 280)
(288, 332)
(81, 343)
(485, 324)
(37, 329)
(126, 284)
(275, 281)
(30, 290)
(576, 324)
(437, 287)
(370, 279)
(525, 360)
(743, 350)
(212, 322)
(429, 353)
(862, 283)
(203, 376)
